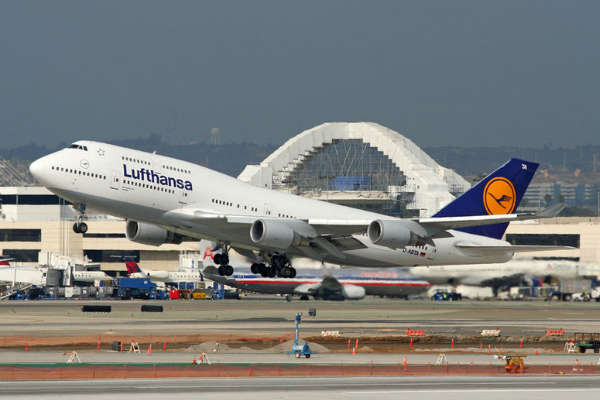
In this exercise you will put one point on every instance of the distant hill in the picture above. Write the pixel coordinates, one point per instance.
(232, 158)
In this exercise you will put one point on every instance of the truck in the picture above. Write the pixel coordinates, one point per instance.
(138, 288)
(585, 340)
(569, 287)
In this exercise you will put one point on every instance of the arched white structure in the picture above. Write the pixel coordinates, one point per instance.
(428, 184)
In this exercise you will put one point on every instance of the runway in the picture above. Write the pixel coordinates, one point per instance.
(515, 387)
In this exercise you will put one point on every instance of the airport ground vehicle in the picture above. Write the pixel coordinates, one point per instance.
(444, 295)
(569, 287)
(584, 341)
(138, 288)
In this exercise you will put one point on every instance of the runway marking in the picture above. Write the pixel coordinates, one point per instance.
(387, 391)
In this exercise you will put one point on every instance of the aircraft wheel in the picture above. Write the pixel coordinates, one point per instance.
(254, 268)
(228, 269)
(307, 355)
(304, 297)
(76, 228)
(271, 273)
(222, 270)
(217, 259)
(83, 228)
(292, 272)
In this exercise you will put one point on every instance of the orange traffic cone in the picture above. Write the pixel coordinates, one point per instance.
(489, 349)
(452, 345)
(411, 343)
(26, 347)
(121, 350)
(521, 343)
(404, 363)
(98, 345)
(165, 346)
(354, 350)
(150, 349)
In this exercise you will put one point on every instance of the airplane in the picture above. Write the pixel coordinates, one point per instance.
(517, 272)
(90, 276)
(23, 274)
(166, 200)
(134, 271)
(335, 284)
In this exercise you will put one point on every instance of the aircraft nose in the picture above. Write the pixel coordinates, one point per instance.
(38, 169)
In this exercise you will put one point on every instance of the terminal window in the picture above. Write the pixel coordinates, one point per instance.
(104, 235)
(536, 239)
(20, 235)
(21, 255)
(112, 255)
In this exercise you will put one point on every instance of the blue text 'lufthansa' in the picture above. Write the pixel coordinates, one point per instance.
(154, 177)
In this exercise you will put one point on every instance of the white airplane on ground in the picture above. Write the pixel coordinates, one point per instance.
(29, 275)
(89, 276)
(135, 271)
(516, 272)
(166, 200)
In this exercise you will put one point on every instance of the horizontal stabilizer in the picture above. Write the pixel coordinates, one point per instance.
(509, 249)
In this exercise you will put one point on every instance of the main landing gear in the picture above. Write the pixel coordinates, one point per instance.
(280, 266)
(223, 261)
(80, 226)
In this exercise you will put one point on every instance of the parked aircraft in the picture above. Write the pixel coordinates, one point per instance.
(135, 271)
(23, 274)
(517, 272)
(335, 284)
(166, 200)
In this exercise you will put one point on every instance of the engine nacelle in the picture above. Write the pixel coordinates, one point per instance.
(353, 292)
(141, 232)
(393, 234)
(158, 275)
(274, 234)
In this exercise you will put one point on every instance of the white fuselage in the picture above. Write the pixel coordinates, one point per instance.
(477, 275)
(28, 275)
(148, 187)
(91, 276)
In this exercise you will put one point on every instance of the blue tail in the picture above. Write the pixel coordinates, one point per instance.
(498, 193)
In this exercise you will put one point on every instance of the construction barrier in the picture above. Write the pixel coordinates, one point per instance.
(96, 308)
(151, 308)
(555, 332)
(74, 371)
(415, 332)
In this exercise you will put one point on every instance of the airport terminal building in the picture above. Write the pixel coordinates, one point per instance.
(363, 165)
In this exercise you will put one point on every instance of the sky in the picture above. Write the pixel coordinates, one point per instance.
(464, 73)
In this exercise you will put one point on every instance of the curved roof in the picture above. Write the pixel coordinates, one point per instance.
(430, 182)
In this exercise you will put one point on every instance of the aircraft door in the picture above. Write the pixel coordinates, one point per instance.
(267, 209)
(114, 183)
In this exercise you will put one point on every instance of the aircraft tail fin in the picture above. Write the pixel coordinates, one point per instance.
(132, 267)
(498, 193)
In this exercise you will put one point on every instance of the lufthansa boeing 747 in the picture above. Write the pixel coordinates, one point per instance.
(166, 200)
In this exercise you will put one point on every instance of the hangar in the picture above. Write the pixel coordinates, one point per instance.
(360, 164)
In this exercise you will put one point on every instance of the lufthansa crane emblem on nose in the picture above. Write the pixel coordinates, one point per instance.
(84, 164)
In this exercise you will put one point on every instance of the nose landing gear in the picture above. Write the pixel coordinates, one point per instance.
(80, 226)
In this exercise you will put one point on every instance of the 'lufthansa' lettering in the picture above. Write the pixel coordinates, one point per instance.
(151, 176)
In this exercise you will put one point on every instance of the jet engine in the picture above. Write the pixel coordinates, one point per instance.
(141, 232)
(276, 234)
(353, 292)
(393, 234)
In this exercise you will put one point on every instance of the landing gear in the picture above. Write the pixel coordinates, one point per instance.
(80, 226)
(280, 266)
(223, 261)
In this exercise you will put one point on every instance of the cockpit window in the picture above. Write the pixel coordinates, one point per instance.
(77, 146)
